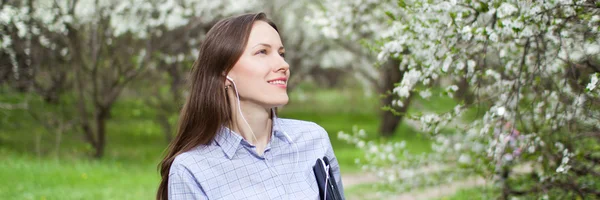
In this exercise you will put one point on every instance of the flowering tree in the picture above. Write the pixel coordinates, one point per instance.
(356, 24)
(532, 66)
(96, 48)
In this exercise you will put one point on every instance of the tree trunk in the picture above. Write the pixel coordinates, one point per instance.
(391, 74)
(505, 172)
(101, 132)
(464, 93)
(389, 120)
(389, 123)
(84, 120)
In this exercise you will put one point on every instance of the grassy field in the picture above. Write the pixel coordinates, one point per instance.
(32, 169)
(474, 193)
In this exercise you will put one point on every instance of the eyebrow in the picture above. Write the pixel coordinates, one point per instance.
(268, 45)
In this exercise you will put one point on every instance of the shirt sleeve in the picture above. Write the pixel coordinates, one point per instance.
(333, 164)
(183, 185)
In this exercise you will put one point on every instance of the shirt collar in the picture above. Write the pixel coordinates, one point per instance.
(230, 141)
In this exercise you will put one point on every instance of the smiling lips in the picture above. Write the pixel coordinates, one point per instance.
(279, 82)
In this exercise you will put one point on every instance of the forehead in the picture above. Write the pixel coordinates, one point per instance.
(262, 32)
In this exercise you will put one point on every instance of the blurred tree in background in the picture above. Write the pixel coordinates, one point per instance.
(82, 56)
(90, 51)
(356, 30)
(530, 68)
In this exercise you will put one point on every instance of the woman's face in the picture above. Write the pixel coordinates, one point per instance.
(261, 73)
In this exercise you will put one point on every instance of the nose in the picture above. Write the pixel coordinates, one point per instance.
(282, 66)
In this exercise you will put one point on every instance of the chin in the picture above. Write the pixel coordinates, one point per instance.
(282, 101)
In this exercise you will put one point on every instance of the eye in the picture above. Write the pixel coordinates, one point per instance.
(282, 54)
(262, 51)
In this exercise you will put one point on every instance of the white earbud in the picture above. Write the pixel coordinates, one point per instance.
(288, 137)
(229, 78)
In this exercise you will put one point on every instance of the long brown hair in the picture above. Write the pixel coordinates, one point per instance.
(206, 108)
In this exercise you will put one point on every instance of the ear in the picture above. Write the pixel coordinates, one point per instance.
(228, 80)
(227, 76)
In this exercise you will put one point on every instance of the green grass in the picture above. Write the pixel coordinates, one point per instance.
(32, 170)
(27, 177)
(474, 194)
(127, 171)
(363, 191)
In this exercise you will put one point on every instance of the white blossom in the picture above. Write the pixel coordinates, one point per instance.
(592, 48)
(506, 9)
(593, 82)
(464, 159)
(446, 64)
(425, 94)
(452, 88)
(513, 55)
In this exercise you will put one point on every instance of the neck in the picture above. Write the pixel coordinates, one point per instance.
(257, 130)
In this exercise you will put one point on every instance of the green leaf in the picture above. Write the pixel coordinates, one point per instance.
(484, 7)
(390, 15)
(401, 4)
(517, 30)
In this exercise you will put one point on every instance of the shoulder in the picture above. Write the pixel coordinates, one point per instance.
(194, 159)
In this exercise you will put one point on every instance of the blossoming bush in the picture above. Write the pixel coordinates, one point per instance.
(531, 68)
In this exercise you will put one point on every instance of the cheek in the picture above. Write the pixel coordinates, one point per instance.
(251, 71)
(245, 81)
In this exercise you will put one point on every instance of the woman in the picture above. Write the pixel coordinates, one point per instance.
(229, 143)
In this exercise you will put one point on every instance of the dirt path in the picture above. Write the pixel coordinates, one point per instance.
(440, 191)
(435, 192)
(350, 180)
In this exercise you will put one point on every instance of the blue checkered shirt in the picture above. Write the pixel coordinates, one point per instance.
(230, 168)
